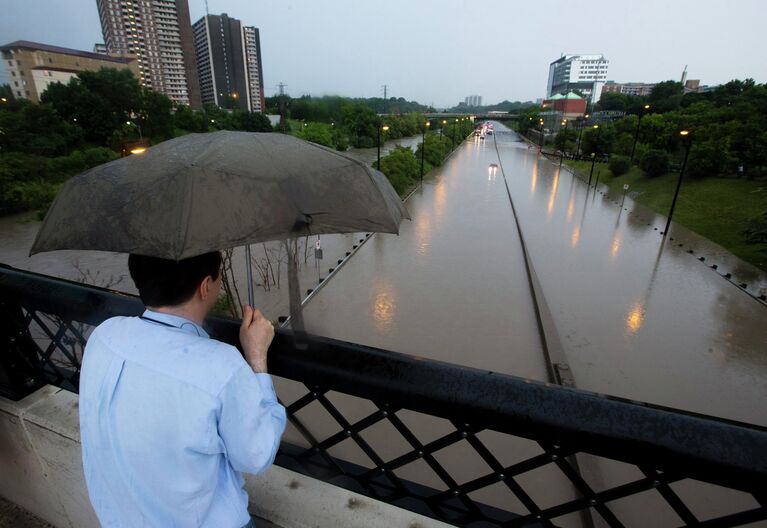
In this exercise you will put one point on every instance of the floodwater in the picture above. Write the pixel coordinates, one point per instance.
(637, 318)
(110, 270)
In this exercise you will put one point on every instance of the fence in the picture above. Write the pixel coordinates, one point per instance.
(474, 448)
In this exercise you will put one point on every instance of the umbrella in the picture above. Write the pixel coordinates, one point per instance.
(205, 192)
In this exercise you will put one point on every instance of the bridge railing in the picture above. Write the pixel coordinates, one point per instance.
(467, 446)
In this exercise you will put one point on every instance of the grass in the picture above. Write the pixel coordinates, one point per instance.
(716, 208)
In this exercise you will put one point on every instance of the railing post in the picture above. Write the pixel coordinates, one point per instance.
(20, 374)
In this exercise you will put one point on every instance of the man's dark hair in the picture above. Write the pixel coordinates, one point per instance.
(163, 282)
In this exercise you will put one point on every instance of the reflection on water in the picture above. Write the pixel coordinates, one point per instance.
(576, 236)
(534, 177)
(615, 246)
(635, 317)
(383, 305)
(553, 193)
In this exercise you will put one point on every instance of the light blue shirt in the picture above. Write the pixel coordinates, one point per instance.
(169, 419)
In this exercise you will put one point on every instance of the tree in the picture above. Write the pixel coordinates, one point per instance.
(654, 163)
(317, 133)
(707, 159)
(251, 121)
(666, 96)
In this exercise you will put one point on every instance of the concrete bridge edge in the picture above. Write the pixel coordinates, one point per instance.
(41, 464)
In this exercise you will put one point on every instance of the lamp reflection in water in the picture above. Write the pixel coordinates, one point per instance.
(635, 317)
(535, 178)
(553, 193)
(384, 306)
(576, 236)
(616, 246)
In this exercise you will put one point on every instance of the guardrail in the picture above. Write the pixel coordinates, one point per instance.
(499, 450)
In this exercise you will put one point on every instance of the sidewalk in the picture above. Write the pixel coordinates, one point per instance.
(11, 516)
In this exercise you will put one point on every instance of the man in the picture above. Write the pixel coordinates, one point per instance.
(169, 418)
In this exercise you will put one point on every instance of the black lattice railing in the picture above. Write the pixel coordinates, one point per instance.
(470, 447)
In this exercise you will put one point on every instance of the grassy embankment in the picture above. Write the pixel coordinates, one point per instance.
(716, 208)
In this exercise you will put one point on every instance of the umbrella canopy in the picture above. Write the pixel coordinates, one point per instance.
(204, 192)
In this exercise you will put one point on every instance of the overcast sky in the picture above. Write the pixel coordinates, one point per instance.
(439, 51)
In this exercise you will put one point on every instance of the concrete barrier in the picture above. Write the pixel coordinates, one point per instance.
(41, 471)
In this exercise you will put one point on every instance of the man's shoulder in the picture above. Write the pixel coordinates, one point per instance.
(196, 360)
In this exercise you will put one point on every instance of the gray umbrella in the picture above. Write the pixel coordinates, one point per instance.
(204, 192)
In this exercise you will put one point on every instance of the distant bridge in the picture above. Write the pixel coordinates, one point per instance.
(503, 116)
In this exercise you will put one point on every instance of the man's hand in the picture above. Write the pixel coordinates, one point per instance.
(256, 334)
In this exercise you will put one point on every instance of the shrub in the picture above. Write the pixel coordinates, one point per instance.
(619, 165)
(654, 162)
(401, 167)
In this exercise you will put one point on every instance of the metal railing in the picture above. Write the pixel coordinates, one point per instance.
(498, 450)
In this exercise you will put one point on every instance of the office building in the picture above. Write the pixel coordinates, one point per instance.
(473, 100)
(158, 34)
(228, 58)
(32, 66)
(631, 88)
(584, 73)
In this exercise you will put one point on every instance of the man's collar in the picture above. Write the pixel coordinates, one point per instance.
(175, 321)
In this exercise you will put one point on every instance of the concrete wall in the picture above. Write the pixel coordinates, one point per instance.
(41, 471)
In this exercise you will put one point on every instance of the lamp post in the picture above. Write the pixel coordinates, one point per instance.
(454, 127)
(636, 135)
(594, 154)
(140, 136)
(687, 138)
(564, 143)
(423, 145)
(542, 136)
(580, 134)
(444, 122)
(384, 128)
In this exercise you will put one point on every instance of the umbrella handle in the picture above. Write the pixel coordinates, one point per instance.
(249, 271)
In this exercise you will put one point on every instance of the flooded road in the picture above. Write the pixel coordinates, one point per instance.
(637, 318)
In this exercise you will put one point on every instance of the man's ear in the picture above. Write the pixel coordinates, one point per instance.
(204, 288)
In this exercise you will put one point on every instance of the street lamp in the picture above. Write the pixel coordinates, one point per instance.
(636, 135)
(564, 143)
(137, 126)
(444, 122)
(540, 122)
(3, 99)
(687, 138)
(594, 154)
(580, 133)
(423, 145)
(454, 127)
(384, 128)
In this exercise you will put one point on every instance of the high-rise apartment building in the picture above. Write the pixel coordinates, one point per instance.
(473, 100)
(585, 73)
(229, 63)
(158, 34)
(32, 66)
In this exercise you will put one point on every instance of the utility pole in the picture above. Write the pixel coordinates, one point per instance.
(283, 118)
(385, 88)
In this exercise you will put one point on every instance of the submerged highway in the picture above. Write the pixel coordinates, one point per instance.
(636, 317)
